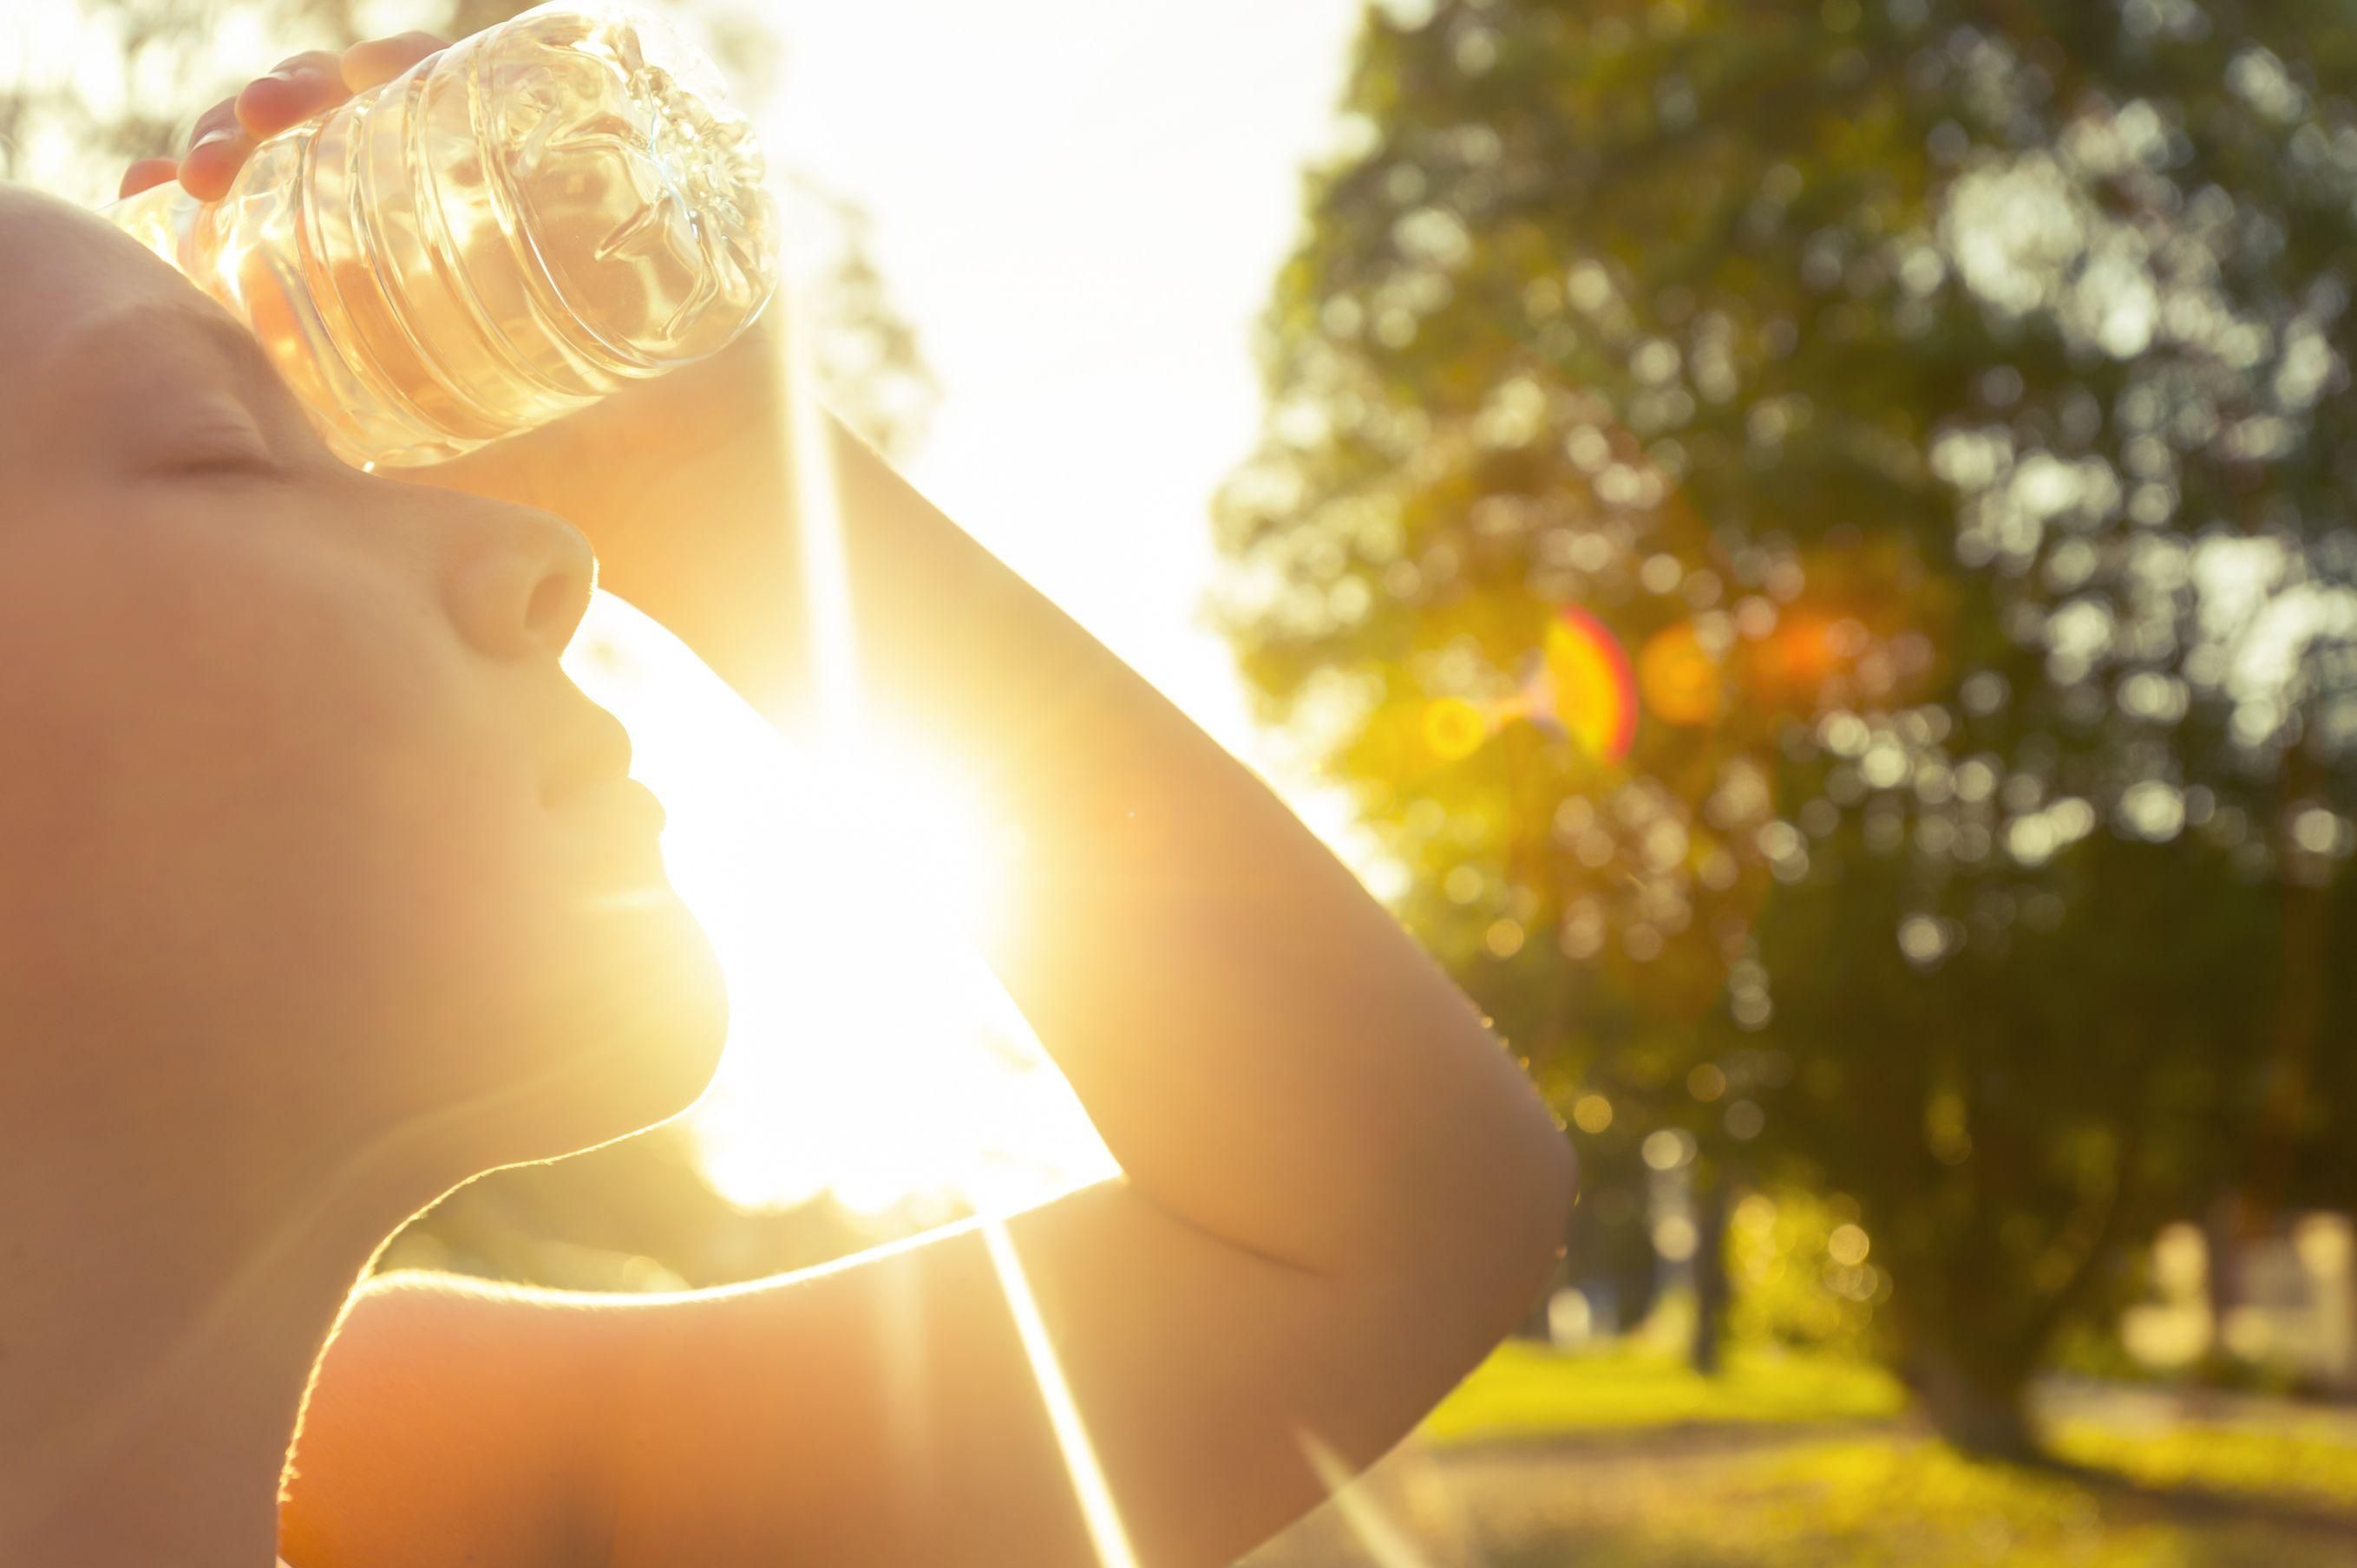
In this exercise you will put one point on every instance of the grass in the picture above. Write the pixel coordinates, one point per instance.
(1883, 1505)
(2284, 1465)
(1527, 1390)
(1661, 1468)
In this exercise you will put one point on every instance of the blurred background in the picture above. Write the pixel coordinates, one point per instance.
(1809, 551)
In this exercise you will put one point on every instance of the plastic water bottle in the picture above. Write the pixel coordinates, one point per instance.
(512, 228)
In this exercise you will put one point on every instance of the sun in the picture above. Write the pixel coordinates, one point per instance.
(871, 1054)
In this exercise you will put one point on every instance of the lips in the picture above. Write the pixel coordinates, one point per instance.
(625, 801)
(640, 802)
(613, 835)
(597, 756)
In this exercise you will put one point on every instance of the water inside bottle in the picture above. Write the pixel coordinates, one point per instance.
(509, 231)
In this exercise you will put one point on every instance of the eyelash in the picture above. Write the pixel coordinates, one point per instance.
(227, 463)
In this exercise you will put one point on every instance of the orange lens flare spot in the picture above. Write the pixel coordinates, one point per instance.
(1798, 658)
(1680, 678)
(1455, 728)
(1595, 694)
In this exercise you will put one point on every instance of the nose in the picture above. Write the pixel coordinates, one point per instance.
(517, 581)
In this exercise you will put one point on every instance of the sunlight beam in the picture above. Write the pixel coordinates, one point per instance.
(1103, 1519)
(818, 509)
(819, 522)
(1386, 1546)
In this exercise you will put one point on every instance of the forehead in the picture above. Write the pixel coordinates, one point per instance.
(66, 269)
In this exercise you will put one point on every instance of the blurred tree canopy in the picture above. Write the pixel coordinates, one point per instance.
(1942, 402)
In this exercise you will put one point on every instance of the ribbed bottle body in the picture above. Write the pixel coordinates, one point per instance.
(517, 226)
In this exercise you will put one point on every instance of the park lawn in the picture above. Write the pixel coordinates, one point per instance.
(1914, 1503)
(1662, 1468)
(1527, 1389)
(1669, 1497)
(2286, 1465)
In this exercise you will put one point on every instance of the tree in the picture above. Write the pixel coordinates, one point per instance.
(1937, 398)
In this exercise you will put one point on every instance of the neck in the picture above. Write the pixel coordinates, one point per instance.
(161, 1310)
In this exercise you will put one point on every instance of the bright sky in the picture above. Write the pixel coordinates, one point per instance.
(1081, 205)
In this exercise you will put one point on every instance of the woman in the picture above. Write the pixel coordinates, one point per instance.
(321, 893)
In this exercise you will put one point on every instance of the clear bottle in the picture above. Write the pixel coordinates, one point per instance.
(514, 227)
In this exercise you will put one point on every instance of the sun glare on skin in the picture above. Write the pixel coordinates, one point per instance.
(871, 1054)
(845, 877)
(844, 882)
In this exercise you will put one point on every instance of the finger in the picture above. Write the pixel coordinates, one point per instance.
(145, 175)
(378, 60)
(296, 88)
(217, 150)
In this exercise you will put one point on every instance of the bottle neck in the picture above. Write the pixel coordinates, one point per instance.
(162, 218)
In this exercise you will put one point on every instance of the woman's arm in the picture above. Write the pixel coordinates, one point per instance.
(1264, 1049)
(1337, 1191)
(1338, 1195)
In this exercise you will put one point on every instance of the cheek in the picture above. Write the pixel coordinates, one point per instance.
(261, 787)
(378, 824)
(263, 763)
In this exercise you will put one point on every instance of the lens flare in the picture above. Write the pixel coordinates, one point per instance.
(1580, 687)
(1455, 728)
(1594, 695)
(1682, 681)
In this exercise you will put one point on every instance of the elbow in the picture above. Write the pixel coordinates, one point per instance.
(1511, 1240)
(1532, 1237)
(1555, 1185)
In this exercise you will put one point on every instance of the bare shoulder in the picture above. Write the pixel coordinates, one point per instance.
(452, 1421)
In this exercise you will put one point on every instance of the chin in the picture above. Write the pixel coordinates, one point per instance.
(663, 1021)
(621, 1031)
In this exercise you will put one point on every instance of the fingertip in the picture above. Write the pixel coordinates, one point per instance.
(212, 164)
(145, 175)
(269, 104)
(374, 61)
(296, 89)
(264, 104)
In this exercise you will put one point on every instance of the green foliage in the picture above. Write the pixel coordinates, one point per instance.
(1797, 1284)
(1938, 399)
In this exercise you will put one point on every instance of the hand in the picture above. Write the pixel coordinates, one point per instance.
(677, 481)
(600, 462)
(296, 88)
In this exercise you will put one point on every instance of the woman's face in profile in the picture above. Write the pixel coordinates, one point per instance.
(295, 799)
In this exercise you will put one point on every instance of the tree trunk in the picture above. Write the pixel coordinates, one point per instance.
(1710, 1284)
(1979, 1408)
(2221, 1238)
(1538, 1322)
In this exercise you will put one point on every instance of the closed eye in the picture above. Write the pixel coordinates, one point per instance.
(227, 462)
(203, 431)
(228, 451)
